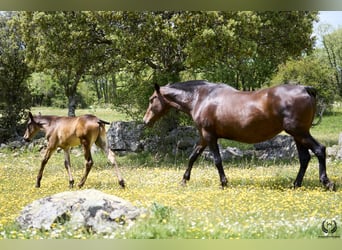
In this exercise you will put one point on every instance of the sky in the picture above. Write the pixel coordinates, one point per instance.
(334, 18)
(331, 17)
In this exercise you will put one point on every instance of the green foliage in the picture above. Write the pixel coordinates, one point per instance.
(125, 52)
(240, 48)
(244, 48)
(14, 95)
(333, 46)
(310, 71)
(68, 44)
(45, 91)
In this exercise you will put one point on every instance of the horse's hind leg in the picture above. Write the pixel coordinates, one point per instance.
(318, 149)
(101, 142)
(218, 163)
(88, 162)
(68, 167)
(304, 158)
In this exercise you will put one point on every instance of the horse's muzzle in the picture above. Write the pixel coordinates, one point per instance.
(26, 139)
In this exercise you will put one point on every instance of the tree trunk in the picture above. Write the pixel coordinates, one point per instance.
(72, 105)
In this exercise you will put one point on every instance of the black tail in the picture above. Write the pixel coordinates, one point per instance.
(313, 92)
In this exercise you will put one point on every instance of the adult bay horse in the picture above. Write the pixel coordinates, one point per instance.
(66, 132)
(220, 111)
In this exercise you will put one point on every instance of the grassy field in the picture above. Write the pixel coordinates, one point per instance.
(258, 203)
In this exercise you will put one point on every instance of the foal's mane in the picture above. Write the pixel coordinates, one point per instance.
(44, 119)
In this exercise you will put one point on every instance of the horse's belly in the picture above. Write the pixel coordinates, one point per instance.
(250, 133)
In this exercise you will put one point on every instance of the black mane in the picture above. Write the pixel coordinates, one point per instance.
(193, 84)
(188, 84)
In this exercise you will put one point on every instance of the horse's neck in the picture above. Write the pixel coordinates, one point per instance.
(178, 99)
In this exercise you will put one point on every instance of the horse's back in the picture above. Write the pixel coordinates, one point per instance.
(254, 116)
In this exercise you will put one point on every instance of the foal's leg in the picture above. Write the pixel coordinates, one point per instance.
(68, 167)
(88, 162)
(49, 151)
(102, 143)
(201, 145)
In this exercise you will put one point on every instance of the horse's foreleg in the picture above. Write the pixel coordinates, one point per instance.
(88, 164)
(193, 157)
(46, 158)
(68, 167)
(218, 163)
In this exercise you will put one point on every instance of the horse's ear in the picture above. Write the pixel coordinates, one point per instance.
(157, 88)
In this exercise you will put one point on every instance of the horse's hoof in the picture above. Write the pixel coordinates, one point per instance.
(331, 186)
(296, 186)
(122, 183)
(224, 185)
(183, 183)
(71, 184)
(37, 186)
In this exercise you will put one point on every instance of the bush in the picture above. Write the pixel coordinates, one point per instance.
(310, 71)
(15, 97)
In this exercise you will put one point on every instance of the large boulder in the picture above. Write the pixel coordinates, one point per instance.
(90, 208)
(335, 151)
(126, 136)
(279, 147)
(130, 137)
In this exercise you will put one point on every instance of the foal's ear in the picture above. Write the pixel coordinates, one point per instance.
(30, 116)
(157, 88)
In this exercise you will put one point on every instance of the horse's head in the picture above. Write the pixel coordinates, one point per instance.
(157, 108)
(32, 128)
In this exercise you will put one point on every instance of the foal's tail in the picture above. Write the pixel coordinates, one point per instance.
(102, 122)
(313, 92)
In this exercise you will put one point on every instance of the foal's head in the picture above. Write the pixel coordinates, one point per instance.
(32, 128)
(157, 108)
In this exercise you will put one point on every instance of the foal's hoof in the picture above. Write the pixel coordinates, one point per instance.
(122, 183)
(71, 184)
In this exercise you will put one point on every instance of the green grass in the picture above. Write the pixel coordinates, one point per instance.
(329, 129)
(106, 114)
(259, 201)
